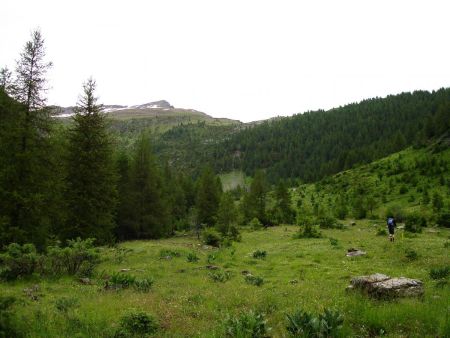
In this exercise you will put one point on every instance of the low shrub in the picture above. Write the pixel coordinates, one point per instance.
(8, 326)
(308, 231)
(144, 284)
(255, 224)
(411, 255)
(334, 242)
(443, 219)
(440, 272)
(234, 234)
(79, 257)
(18, 261)
(254, 280)
(328, 222)
(219, 276)
(211, 237)
(120, 280)
(415, 221)
(381, 232)
(259, 254)
(304, 324)
(246, 325)
(395, 211)
(192, 257)
(137, 323)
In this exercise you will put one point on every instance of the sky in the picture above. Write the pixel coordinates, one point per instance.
(246, 59)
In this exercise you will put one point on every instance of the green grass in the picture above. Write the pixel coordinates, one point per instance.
(187, 302)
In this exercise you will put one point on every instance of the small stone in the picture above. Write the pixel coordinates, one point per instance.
(294, 281)
(85, 281)
(125, 270)
(355, 252)
(246, 273)
(212, 267)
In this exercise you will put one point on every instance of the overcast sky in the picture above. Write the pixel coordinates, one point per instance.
(243, 59)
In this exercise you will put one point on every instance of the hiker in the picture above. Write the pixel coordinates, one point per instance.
(391, 225)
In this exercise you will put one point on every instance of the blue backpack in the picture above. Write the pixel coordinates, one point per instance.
(390, 221)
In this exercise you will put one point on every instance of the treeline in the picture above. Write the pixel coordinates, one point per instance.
(61, 181)
(313, 145)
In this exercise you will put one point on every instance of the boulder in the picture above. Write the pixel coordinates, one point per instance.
(85, 281)
(355, 252)
(384, 287)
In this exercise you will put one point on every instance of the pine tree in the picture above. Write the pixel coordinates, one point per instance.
(208, 197)
(124, 218)
(150, 208)
(91, 179)
(257, 196)
(5, 79)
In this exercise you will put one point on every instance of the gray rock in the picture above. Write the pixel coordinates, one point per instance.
(385, 287)
(355, 252)
(212, 267)
(85, 281)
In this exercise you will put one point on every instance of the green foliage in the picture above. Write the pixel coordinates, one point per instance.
(246, 325)
(411, 254)
(304, 324)
(18, 261)
(91, 180)
(137, 324)
(120, 280)
(255, 224)
(79, 257)
(395, 211)
(308, 231)
(282, 213)
(440, 272)
(381, 232)
(143, 284)
(334, 242)
(254, 202)
(164, 253)
(328, 222)
(220, 276)
(226, 215)
(64, 304)
(211, 237)
(192, 257)
(254, 280)
(208, 197)
(437, 201)
(414, 222)
(443, 219)
(259, 254)
(8, 326)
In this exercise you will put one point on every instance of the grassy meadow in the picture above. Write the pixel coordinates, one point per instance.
(311, 274)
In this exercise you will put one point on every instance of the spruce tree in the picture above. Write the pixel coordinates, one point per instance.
(5, 79)
(150, 208)
(226, 214)
(208, 197)
(283, 211)
(257, 196)
(91, 178)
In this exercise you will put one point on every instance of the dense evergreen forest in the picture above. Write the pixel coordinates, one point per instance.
(315, 144)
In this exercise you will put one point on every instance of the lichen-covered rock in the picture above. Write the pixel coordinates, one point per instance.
(355, 252)
(385, 287)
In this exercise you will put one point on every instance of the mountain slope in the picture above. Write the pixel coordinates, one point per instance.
(316, 144)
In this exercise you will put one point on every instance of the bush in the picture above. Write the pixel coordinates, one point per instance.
(381, 232)
(137, 323)
(234, 234)
(254, 280)
(411, 255)
(395, 211)
(334, 242)
(211, 237)
(255, 224)
(304, 324)
(220, 276)
(308, 231)
(415, 219)
(413, 226)
(440, 272)
(328, 222)
(120, 280)
(18, 261)
(144, 284)
(79, 257)
(192, 257)
(443, 219)
(8, 327)
(246, 325)
(259, 254)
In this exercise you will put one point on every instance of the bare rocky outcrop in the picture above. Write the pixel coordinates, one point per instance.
(384, 287)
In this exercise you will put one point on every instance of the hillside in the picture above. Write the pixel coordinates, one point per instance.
(413, 181)
(312, 145)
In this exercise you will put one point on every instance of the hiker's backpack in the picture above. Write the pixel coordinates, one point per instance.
(390, 222)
